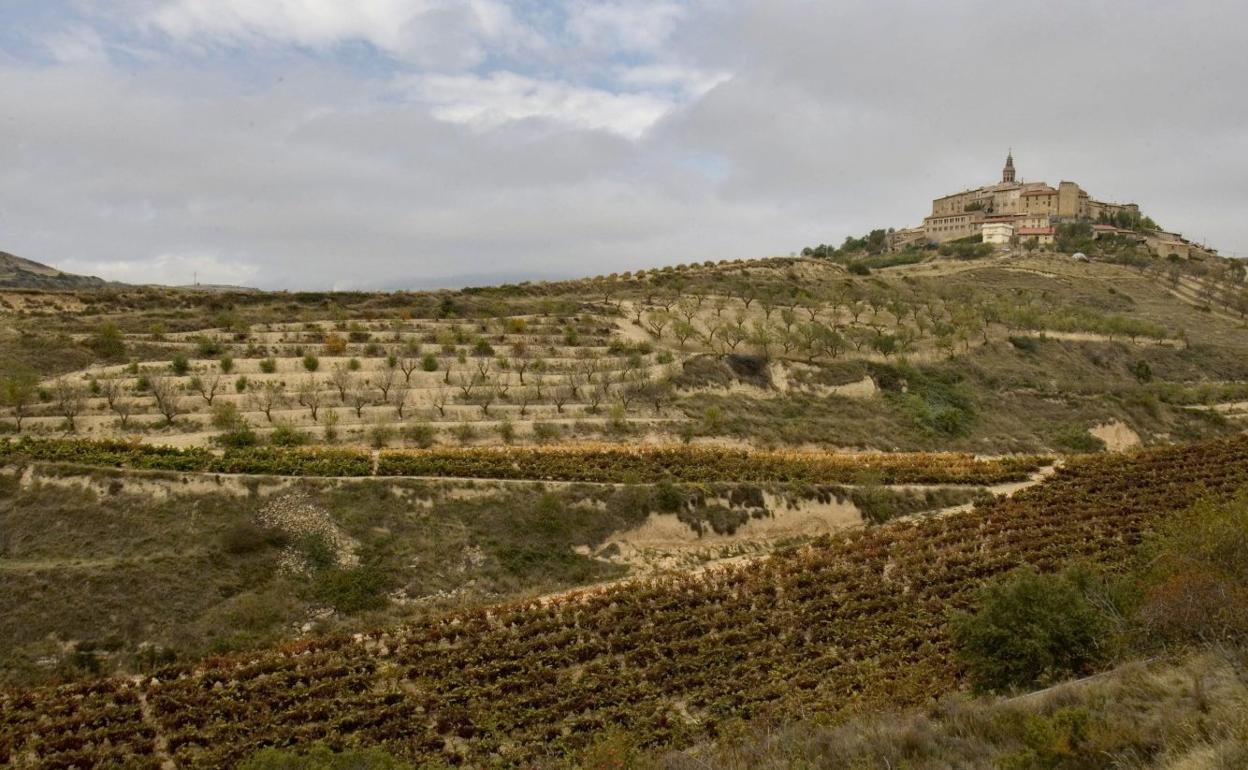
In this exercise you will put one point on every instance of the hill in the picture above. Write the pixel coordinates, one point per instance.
(805, 463)
(19, 273)
(849, 621)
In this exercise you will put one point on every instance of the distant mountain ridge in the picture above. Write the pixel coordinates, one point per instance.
(20, 273)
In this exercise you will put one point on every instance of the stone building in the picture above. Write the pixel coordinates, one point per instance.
(1026, 204)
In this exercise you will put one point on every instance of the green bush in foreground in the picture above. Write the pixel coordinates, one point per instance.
(1029, 629)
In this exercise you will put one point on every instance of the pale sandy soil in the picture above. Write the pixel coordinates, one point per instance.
(1117, 435)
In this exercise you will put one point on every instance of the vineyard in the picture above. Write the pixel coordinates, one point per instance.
(601, 464)
(853, 620)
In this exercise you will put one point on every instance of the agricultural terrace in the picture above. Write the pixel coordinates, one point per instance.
(914, 356)
(855, 620)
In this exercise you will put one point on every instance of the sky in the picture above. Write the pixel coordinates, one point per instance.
(326, 144)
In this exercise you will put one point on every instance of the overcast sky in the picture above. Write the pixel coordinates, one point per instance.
(407, 143)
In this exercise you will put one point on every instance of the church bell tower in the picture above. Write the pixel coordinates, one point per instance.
(1007, 175)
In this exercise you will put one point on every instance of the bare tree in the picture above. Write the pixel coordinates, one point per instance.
(524, 397)
(309, 395)
(401, 392)
(441, 397)
(206, 387)
(168, 402)
(70, 401)
(123, 408)
(408, 364)
(560, 395)
(268, 396)
(359, 397)
(342, 379)
(111, 389)
(385, 382)
(486, 396)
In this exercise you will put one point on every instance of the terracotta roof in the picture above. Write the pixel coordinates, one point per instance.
(1040, 191)
(1035, 231)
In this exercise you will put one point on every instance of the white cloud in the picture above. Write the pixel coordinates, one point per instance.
(687, 81)
(77, 45)
(504, 97)
(436, 33)
(624, 26)
(170, 269)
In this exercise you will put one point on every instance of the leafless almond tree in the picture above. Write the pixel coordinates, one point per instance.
(167, 396)
(70, 401)
(309, 394)
(268, 396)
(359, 397)
(343, 380)
(385, 383)
(206, 387)
(401, 392)
(407, 365)
(441, 397)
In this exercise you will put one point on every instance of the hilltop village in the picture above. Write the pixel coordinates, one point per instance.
(1029, 213)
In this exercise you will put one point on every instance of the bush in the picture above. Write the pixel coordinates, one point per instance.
(429, 362)
(350, 590)
(311, 362)
(226, 363)
(546, 431)
(1195, 576)
(248, 537)
(1030, 628)
(420, 434)
(464, 433)
(207, 347)
(286, 434)
(380, 436)
(268, 365)
(180, 365)
(108, 342)
(1076, 438)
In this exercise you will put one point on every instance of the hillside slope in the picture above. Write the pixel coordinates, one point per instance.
(19, 273)
(854, 620)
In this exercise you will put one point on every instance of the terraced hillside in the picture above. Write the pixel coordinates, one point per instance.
(1018, 353)
(852, 620)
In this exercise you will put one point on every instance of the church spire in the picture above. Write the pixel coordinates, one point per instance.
(1008, 174)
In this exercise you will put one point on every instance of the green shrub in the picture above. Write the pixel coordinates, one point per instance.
(380, 436)
(108, 342)
(353, 364)
(429, 362)
(1076, 438)
(180, 365)
(507, 431)
(419, 433)
(287, 435)
(464, 433)
(544, 432)
(1029, 628)
(248, 537)
(207, 347)
(240, 384)
(1024, 344)
(226, 363)
(352, 589)
(311, 362)
(1195, 576)
(268, 365)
